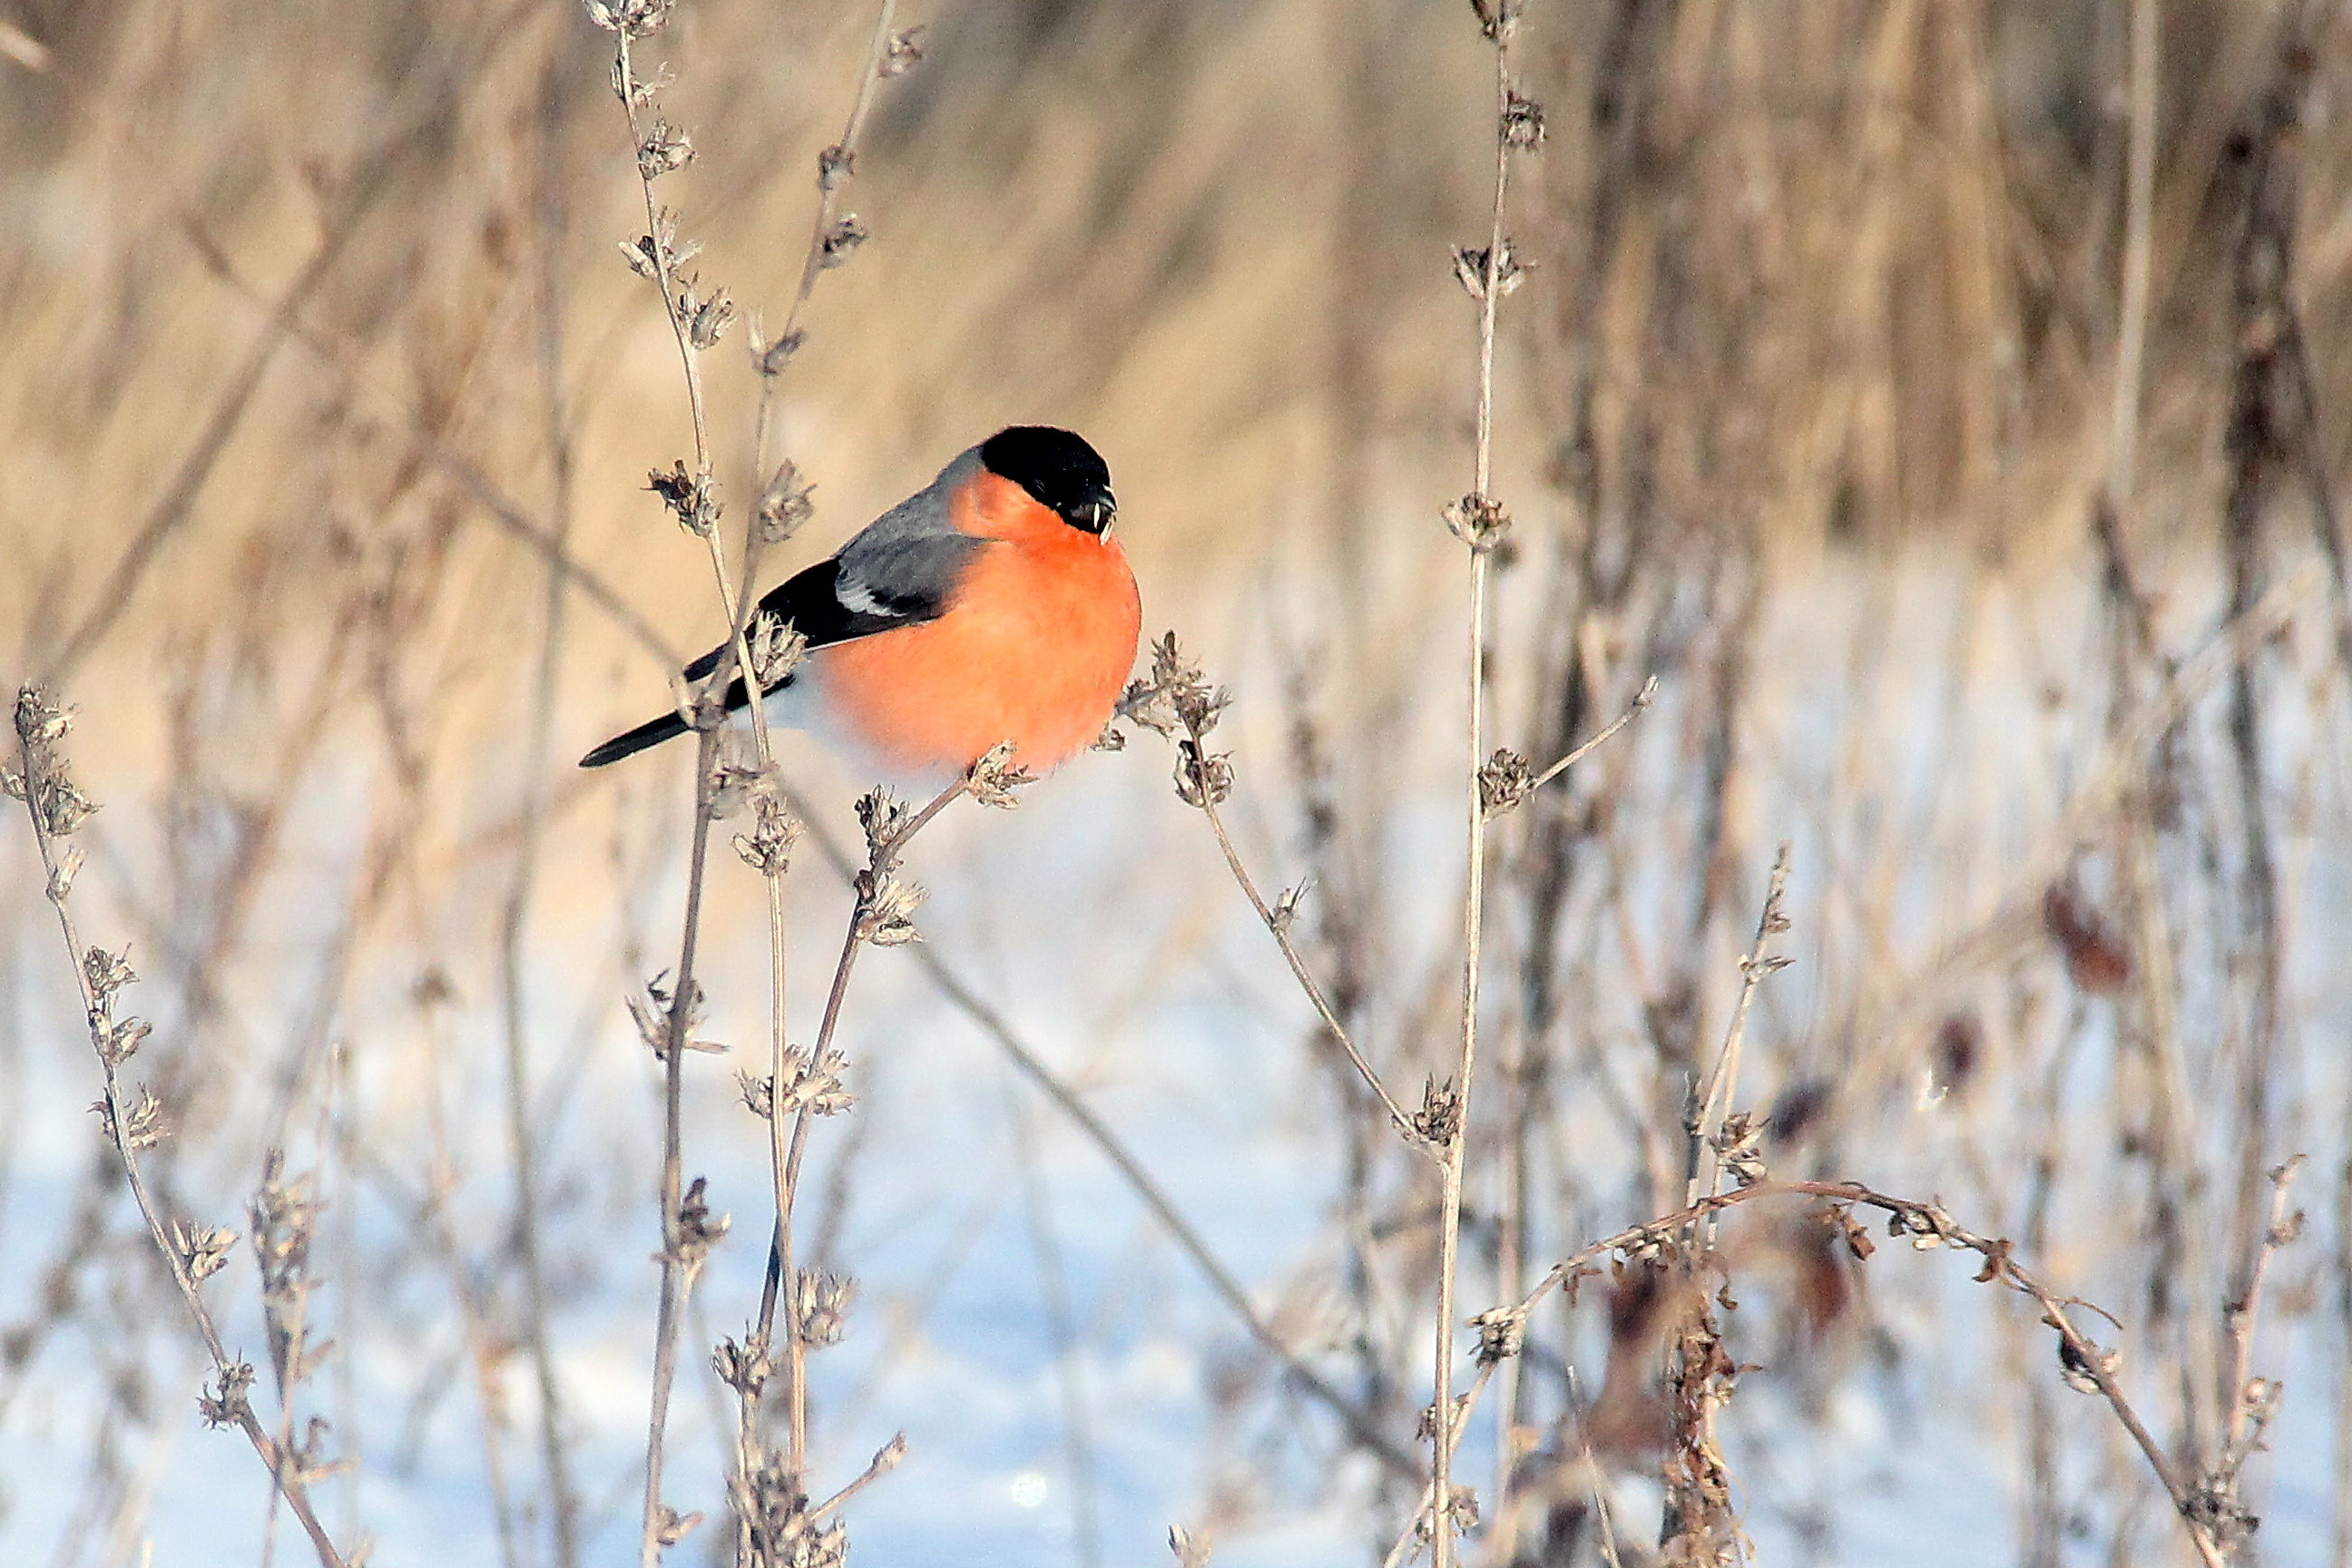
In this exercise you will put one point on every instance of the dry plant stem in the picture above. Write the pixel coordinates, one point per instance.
(1280, 932)
(1925, 1222)
(1445, 1424)
(828, 202)
(783, 1164)
(676, 1279)
(783, 1265)
(1592, 1471)
(1713, 1104)
(2139, 198)
(784, 1154)
(665, 279)
(1642, 699)
(276, 1456)
(561, 1507)
(2240, 1313)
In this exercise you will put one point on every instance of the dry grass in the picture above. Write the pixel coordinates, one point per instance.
(1943, 404)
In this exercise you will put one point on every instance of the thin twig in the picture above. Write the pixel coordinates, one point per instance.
(562, 1508)
(1926, 1225)
(677, 1276)
(1480, 524)
(836, 165)
(2240, 1314)
(53, 807)
(1279, 927)
(886, 844)
(1642, 699)
(2139, 200)
(1711, 1104)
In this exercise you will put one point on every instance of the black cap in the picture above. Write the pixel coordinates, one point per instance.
(1058, 468)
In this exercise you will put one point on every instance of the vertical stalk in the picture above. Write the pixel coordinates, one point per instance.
(676, 1279)
(1479, 532)
(538, 747)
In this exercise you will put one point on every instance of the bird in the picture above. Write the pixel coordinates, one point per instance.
(994, 604)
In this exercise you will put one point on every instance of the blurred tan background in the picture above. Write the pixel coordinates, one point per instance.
(1861, 387)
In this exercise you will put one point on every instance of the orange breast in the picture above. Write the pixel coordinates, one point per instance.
(1035, 648)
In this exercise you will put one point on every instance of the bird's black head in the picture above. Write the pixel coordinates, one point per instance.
(1060, 471)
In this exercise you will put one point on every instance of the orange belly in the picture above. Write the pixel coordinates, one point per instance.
(1035, 649)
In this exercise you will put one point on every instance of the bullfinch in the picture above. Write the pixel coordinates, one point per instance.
(992, 605)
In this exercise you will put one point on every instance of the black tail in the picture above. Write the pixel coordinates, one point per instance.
(652, 732)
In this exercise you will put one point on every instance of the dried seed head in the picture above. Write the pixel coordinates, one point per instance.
(815, 1087)
(285, 1222)
(107, 972)
(1439, 1120)
(1203, 779)
(823, 1301)
(1426, 1428)
(1478, 521)
(142, 1126)
(2081, 1371)
(1174, 696)
(653, 256)
(835, 166)
(784, 504)
(886, 907)
(1471, 267)
(1498, 20)
(1191, 1551)
(696, 1229)
(203, 1250)
(692, 499)
(777, 648)
(769, 358)
(39, 721)
(670, 1527)
(1928, 1225)
(118, 1040)
(1285, 906)
(768, 847)
(1740, 1143)
(635, 18)
(737, 779)
(841, 241)
(223, 1403)
(650, 1010)
(1504, 782)
(46, 784)
(759, 1093)
(707, 321)
(992, 780)
(745, 1368)
(1522, 124)
(1850, 1230)
(1502, 1333)
(665, 148)
(884, 818)
(904, 54)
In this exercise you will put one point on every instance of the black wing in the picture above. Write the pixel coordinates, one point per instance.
(876, 584)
